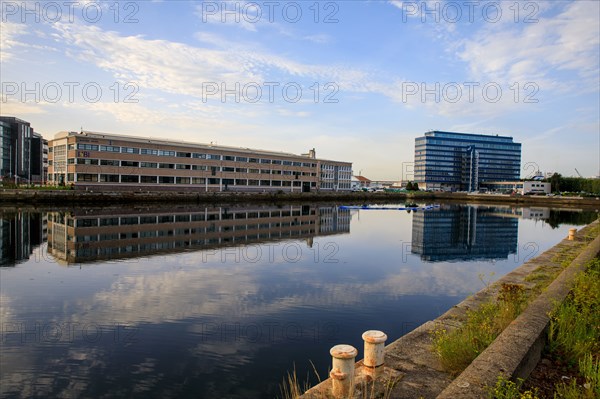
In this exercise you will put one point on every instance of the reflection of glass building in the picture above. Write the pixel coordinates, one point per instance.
(101, 235)
(19, 235)
(459, 161)
(463, 233)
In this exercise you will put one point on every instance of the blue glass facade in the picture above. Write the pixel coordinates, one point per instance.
(461, 161)
(464, 233)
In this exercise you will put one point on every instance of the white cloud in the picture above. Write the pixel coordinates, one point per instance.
(8, 39)
(536, 52)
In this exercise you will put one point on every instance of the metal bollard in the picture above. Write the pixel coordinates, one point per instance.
(572, 234)
(374, 351)
(342, 370)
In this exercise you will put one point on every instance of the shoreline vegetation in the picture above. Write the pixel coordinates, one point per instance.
(573, 348)
(458, 348)
(62, 197)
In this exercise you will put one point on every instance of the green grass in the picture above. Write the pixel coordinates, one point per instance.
(506, 389)
(574, 333)
(458, 348)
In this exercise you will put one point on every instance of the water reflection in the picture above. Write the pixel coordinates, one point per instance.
(77, 237)
(191, 310)
(464, 233)
(20, 233)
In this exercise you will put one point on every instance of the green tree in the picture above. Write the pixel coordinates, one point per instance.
(409, 186)
(555, 182)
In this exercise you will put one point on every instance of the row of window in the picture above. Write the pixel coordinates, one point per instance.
(108, 178)
(468, 137)
(192, 231)
(336, 167)
(88, 252)
(179, 154)
(170, 218)
(164, 165)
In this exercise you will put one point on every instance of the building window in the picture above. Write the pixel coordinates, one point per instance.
(198, 180)
(183, 180)
(109, 162)
(87, 177)
(148, 165)
(132, 164)
(109, 178)
(88, 147)
(148, 151)
(148, 179)
(166, 179)
(130, 150)
(130, 179)
(110, 148)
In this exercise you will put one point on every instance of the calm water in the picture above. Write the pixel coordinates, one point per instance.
(223, 302)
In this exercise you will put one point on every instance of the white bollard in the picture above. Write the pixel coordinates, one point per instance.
(374, 350)
(572, 234)
(342, 370)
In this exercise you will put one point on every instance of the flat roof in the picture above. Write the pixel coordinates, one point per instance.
(180, 143)
(468, 134)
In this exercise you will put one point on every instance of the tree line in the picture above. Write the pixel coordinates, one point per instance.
(560, 183)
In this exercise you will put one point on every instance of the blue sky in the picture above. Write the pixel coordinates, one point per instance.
(357, 80)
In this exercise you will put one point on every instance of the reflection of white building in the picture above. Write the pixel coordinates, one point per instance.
(536, 213)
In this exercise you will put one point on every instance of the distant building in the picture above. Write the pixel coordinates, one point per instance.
(21, 151)
(536, 187)
(521, 187)
(360, 182)
(461, 162)
(91, 160)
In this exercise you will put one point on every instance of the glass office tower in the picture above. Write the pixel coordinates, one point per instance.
(461, 162)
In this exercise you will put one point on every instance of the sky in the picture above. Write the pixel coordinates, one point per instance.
(356, 80)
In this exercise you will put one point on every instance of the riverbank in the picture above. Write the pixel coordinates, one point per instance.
(75, 197)
(412, 368)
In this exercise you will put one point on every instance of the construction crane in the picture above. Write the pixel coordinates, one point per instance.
(578, 173)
